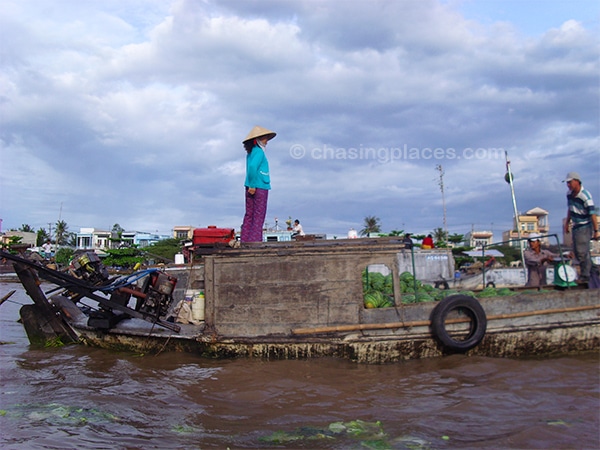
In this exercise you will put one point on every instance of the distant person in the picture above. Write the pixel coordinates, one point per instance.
(457, 277)
(47, 249)
(490, 262)
(428, 242)
(582, 221)
(257, 184)
(297, 229)
(536, 261)
(407, 241)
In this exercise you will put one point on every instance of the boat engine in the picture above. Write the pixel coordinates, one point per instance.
(153, 295)
(153, 292)
(88, 267)
(158, 294)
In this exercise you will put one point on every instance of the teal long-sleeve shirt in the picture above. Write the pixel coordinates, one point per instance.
(257, 170)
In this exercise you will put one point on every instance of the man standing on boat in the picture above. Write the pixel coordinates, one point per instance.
(582, 216)
(257, 184)
(536, 261)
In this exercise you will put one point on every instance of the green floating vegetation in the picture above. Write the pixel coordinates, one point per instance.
(55, 413)
(353, 434)
(283, 437)
(54, 342)
(183, 429)
(359, 428)
(558, 422)
(370, 434)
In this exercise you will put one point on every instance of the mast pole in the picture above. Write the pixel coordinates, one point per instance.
(509, 179)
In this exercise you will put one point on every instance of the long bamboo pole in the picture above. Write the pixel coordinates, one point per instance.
(422, 323)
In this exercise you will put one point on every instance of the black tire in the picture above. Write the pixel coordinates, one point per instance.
(468, 306)
(442, 285)
(491, 284)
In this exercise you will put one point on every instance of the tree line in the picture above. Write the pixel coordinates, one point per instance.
(372, 224)
(126, 254)
(62, 235)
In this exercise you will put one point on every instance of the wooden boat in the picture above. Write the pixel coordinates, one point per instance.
(304, 299)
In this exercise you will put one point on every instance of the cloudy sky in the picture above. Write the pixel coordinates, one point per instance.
(133, 111)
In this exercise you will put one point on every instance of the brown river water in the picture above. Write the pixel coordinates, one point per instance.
(83, 398)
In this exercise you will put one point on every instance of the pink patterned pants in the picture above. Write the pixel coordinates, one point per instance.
(254, 219)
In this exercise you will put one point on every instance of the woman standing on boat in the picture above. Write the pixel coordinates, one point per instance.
(257, 184)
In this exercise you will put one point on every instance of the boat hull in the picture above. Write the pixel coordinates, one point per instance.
(305, 300)
(540, 342)
(548, 324)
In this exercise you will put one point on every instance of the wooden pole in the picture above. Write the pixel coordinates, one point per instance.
(422, 323)
(7, 296)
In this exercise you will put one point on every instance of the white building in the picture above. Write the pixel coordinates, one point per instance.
(534, 221)
(90, 238)
(93, 239)
(183, 232)
(479, 238)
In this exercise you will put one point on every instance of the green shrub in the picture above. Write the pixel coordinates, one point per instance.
(63, 255)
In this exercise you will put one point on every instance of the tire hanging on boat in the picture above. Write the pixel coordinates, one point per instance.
(468, 306)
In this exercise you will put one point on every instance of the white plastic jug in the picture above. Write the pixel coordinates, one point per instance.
(198, 307)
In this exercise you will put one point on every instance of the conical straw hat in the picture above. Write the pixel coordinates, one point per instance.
(257, 132)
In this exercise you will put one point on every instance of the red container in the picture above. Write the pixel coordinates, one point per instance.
(213, 235)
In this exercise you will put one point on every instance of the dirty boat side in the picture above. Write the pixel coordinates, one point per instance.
(527, 332)
(305, 299)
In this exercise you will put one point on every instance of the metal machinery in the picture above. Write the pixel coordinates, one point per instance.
(87, 266)
(86, 275)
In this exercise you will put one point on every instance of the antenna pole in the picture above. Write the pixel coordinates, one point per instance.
(440, 169)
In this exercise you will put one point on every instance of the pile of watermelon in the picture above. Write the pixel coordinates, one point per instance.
(413, 291)
(378, 290)
(378, 299)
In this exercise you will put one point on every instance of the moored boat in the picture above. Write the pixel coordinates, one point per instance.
(300, 299)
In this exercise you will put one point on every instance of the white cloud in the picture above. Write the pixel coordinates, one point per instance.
(135, 112)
